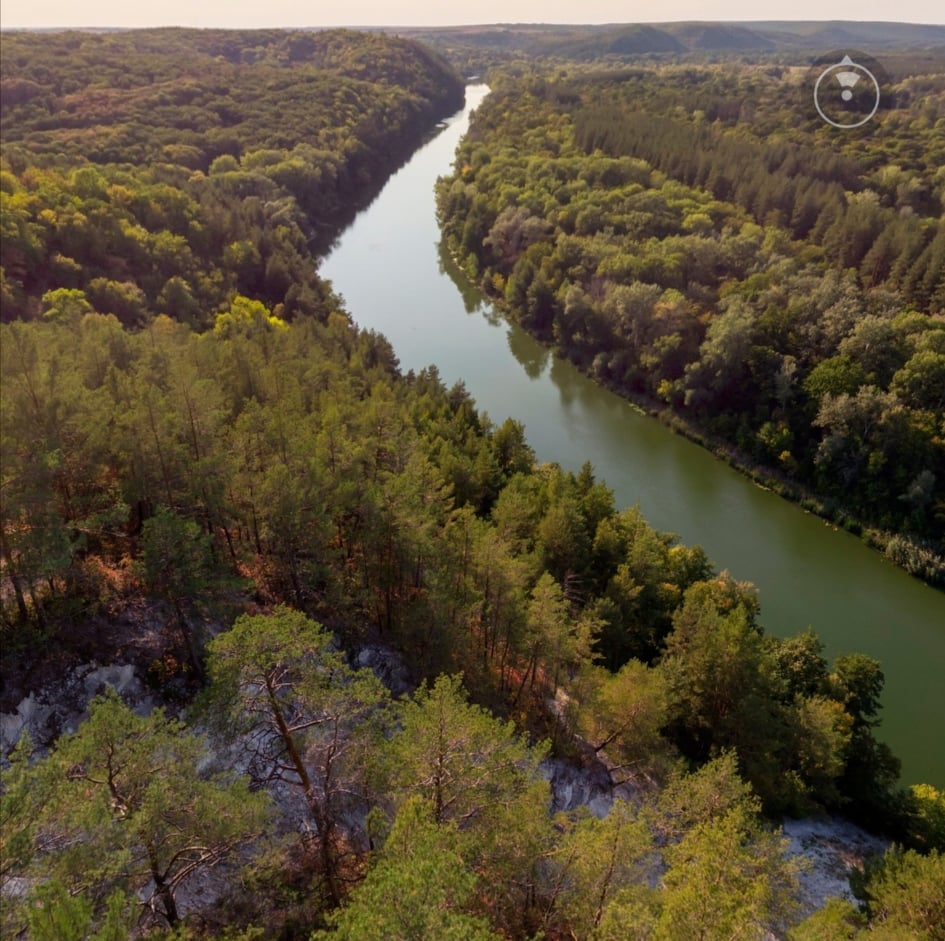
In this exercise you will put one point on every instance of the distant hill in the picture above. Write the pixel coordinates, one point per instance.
(702, 37)
(487, 44)
(815, 33)
(627, 41)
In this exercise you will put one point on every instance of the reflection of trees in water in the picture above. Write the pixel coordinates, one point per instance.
(472, 299)
(532, 356)
(563, 376)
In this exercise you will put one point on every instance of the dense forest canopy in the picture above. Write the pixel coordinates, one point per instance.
(264, 462)
(210, 473)
(165, 171)
(696, 237)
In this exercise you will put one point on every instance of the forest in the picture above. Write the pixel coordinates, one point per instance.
(166, 171)
(210, 473)
(695, 238)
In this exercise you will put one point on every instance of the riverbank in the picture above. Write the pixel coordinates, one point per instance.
(807, 574)
(917, 559)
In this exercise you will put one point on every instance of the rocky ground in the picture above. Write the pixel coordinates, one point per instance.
(832, 847)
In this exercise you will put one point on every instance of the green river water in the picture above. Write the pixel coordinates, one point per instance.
(390, 268)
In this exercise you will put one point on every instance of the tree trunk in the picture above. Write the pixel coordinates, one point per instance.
(188, 638)
(37, 604)
(162, 890)
(14, 577)
(319, 816)
(229, 544)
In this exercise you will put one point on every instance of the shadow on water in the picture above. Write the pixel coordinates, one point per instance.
(328, 233)
(532, 355)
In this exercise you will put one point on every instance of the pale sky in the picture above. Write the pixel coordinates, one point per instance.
(243, 14)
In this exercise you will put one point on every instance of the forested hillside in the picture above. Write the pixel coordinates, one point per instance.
(694, 237)
(164, 171)
(211, 475)
(477, 48)
(261, 462)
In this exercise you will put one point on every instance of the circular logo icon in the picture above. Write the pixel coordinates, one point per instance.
(847, 93)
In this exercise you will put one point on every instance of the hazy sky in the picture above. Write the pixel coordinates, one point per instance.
(255, 13)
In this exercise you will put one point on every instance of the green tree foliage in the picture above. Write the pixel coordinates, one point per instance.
(186, 415)
(624, 715)
(419, 886)
(780, 295)
(464, 763)
(695, 861)
(871, 766)
(599, 859)
(906, 896)
(551, 636)
(929, 813)
(176, 564)
(715, 667)
(122, 806)
(20, 794)
(299, 457)
(838, 920)
(727, 871)
(727, 877)
(905, 899)
(109, 205)
(55, 915)
(302, 714)
(476, 773)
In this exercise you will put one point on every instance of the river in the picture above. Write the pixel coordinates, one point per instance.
(395, 277)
